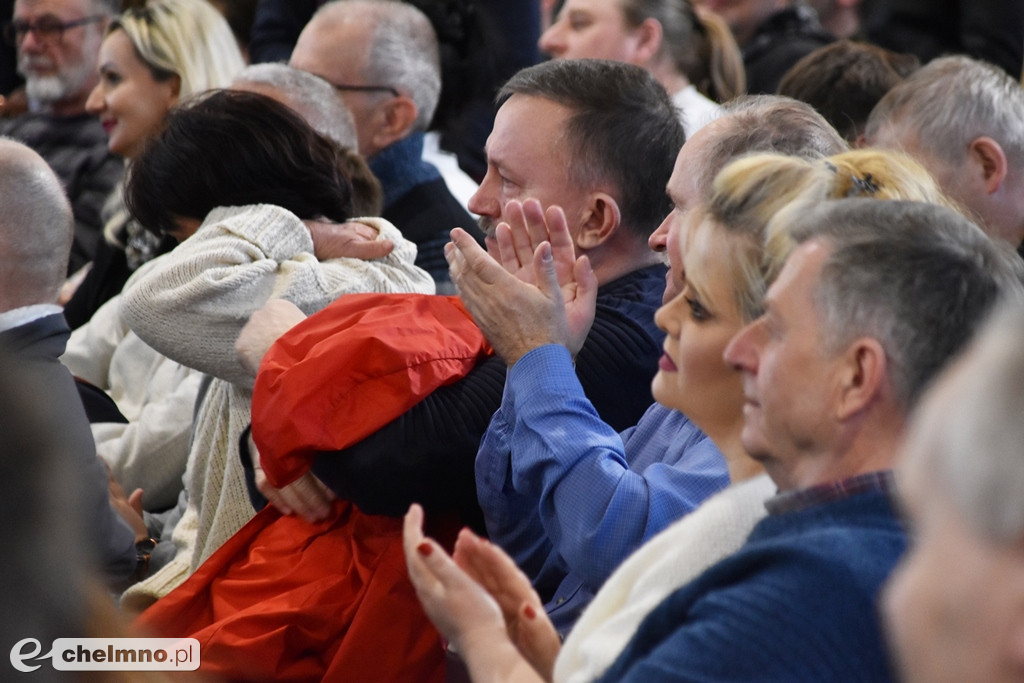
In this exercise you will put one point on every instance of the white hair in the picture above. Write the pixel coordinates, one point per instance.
(36, 228)
(966, 439)
(309, 95)
(952, 101)
(404, 51)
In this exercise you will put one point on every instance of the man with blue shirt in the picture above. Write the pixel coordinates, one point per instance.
(562, 491)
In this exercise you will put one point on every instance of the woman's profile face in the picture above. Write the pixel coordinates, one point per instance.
(590, 29)
(699, 322)
(128, 100)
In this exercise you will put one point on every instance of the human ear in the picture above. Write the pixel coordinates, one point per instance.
(649, 36)
(174, 85)
(600, 220)
(395, 120)
(863, 375)
(990, 158)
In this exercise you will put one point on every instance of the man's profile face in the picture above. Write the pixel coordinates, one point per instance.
(788, 378)
(64, 69)
(685, 191)
(528, 157)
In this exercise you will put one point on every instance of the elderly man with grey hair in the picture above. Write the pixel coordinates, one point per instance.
(953, 604)
(383, 58)
(964, 120)
(35, 236)
(58, 44)
(316, 101)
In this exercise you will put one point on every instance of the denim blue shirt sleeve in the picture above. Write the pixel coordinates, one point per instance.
(563, 492)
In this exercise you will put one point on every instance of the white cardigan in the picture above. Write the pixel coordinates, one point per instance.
(191, 305)
(154, 393)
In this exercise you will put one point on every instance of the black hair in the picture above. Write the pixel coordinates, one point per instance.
(231, 148)
(623, 130)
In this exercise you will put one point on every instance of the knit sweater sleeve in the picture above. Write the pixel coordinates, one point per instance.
(192, 303)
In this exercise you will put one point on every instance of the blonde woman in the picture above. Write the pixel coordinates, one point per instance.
(151, 58)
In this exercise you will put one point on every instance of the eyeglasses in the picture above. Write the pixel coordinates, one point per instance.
(366, 88)
(49, 29)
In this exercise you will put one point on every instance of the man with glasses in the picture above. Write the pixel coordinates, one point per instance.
(58, 45)
(383, 59)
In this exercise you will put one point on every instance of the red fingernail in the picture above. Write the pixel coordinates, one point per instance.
(424, 549)
(529, 612)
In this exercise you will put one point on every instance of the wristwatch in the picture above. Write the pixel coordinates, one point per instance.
(143, 551)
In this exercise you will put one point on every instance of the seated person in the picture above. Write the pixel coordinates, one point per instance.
(844, 81)
(951, 604)
(156, 395)
(543, 501)
(772, 34)
(60, 69)
(259, 195)
(601, 111)
(36, 230)
(156, 54)
(960, 118)
(692, 54)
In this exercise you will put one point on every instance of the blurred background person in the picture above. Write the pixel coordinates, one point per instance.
(772, 34)
(692, 54)
(57, 43)
(952, 606)
(153, 56)
(844, 81)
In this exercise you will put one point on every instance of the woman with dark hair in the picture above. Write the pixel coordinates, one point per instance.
(256, 196)
(276, 158)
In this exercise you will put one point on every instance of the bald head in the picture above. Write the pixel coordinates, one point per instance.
(389, 52)
(36, 228)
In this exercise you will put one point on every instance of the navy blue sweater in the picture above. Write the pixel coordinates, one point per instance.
(796, 603)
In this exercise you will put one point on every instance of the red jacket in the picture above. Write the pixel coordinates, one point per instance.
(287, 600)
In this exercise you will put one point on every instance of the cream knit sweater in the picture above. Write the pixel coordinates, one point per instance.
(191, 304)
(669, 560)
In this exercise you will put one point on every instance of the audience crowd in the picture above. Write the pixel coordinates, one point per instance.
(409, 340)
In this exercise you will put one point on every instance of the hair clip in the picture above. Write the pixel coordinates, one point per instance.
(862, 186)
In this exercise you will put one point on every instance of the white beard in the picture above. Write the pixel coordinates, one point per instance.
(54, 87)
(45, 89)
